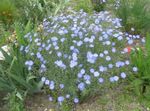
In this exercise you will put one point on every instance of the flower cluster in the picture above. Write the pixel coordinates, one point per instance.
(77, 51)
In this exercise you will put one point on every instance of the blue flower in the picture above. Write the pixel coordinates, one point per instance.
(123, 75)
(59, 54)
(61, 86)
(96, 74)
(116, 78)
(50, 98)
(29, 63)
(91, 58)
(110, 66)
(80, 75)
(82, 71)
(101, 55)
(67, 96)
(108, 58)
(43, 79)
(87, 77)
(54, 39)
(60, 64)
(100, 80)
(106, 52)
(47, 82)
(60, 99)
(73, 63)
(92, 70)
(101, 68)
(76, 100)
(62, 39)
(135, 69)
(51, 86)
(81, 86)
(113, 49)
(127, 62)
(38, 55)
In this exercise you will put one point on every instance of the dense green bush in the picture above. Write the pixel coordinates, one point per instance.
(141, 58)
(134, 13)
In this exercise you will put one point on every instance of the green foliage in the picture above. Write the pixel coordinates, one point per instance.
(98, 5)
(135, 13)
(141, 58)
(15, 103)
(7, 13)
(86, 5)
(13, 74)
(33, 10)
(36, 10)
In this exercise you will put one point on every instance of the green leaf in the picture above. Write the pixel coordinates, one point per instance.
(30, 78)
(19, 96)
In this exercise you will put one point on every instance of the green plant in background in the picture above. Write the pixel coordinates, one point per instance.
(134, 13)
(32, 10)
(37, 10)
(86, 5)
(141, 81)
(7, 13)
(99, 5)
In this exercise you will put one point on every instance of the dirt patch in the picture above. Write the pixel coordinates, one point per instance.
(38, 102)
(112, 100)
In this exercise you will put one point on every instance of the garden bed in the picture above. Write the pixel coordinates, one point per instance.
(77, 59)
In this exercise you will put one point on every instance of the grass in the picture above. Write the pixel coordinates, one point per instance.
(134, 13)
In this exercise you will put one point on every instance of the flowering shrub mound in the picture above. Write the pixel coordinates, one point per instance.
(78, 54)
